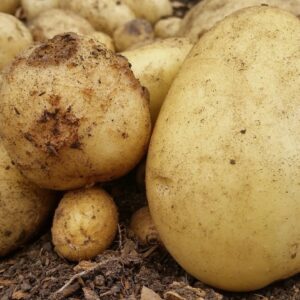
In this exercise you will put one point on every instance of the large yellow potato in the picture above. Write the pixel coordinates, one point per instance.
(151, 10)
(14, 37)
(85, 224)
(104, 15)
(56, 21)
(207, 13)
(9, 6)
(156, 65)
(72, 113)
(32, 8)
(24, 207)
(223, 170)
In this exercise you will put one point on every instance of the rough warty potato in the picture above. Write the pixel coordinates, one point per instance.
(24, 208)
(14, 37)
(57, 21)
(103, 38)
(104, 15)
(72, 113)
(32, 8)
(142, 226)
(223, 169)
(85, 224)
(156, 65)
(207, 13)
(9, 6)
(167, 28)
(134, 32)
(151, 10)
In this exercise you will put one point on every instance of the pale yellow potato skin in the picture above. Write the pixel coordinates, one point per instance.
(9, 6)
(14, 37)
(142, 226)
(167, 28)
(85, 224)
(104, 15)
(151, 10)
(72, 113)
(103, 38)
(32, 8)
(24, 207)
(156, 66)
(223, 169)
(57, 21)
(207, 13)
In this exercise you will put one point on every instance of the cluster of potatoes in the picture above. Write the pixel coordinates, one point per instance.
(81, 90)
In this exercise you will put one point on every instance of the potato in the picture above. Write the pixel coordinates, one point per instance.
(167, 28)
(9, 6)
(104, 15)
(142, 226)
(103, 38)
(85, 224)
(151, 10)
(14, 37)
(56, 21)
(32, 8)
(222, 174)
(72, 113)
(133, 32)
(207, 13)
(156, 65)
(24, 207)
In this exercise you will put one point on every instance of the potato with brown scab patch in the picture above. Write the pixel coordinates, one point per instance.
(57, 21)
(14, 37)
(24, 208)
(32, 8)
(73, 113)
(85, 224)
(133, 32)
(9, 6)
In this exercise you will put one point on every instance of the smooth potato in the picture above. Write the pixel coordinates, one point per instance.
(223, 168)
(207, 13)
(85, 224)
(57, 21)
(14, 37)
(24, 208)
(72, 113)
(168, 27)
(103, 38)
(104, 15)
(156, 65)
(32, 8)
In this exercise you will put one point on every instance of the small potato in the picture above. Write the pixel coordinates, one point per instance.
(134, 32)
(14, 37)
(104, 15)
(207, 13)
(156, 65)
(142, 226)
(167, 28)
(56, 21)
(85, 224)
(33, 8)
(151, 10)
(24, 208)
(9, 6)
(103, 38)
(80, 117)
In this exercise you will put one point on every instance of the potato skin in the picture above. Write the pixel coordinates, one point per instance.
(207, 13)
(156, 66)
(222, 174)
(24, 207)
(57, 21)
(85, 224)
(73, 113)
(32, 8)
(104, 15)
(103, 38)
(167, 28)
(9, 6)
(14, 37)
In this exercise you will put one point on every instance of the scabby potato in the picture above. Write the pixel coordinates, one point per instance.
(72, 113)
(223, 169)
